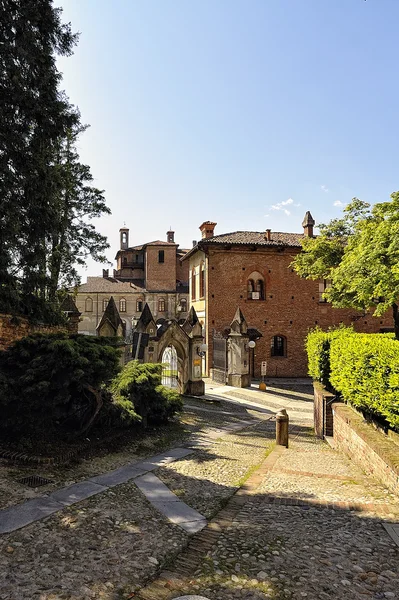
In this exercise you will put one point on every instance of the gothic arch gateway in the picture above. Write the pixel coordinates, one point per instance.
(178, 344)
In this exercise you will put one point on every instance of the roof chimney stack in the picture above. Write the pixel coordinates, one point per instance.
(307, 224)
(207, 229)
(268, 232)
(194, 243)
(170, 236)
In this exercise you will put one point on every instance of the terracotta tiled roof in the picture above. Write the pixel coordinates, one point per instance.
(102, 284)
(160, 243)
(257, 238)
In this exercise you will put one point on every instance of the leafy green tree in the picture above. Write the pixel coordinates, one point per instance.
(40, 175)
(359, 255)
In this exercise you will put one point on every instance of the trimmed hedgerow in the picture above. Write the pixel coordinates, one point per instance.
(365, 370)
(317, 346)
(362, 367)
(137, 388)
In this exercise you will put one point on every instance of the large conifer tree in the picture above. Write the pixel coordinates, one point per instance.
(36, 122)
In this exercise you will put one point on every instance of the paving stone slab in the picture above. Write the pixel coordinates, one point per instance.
(118, 476)
(163, 459)
(193, 526)
(154, 489)
(77, 492)
(392, 530)
(20, 515)
(191, 598)
(178, 512)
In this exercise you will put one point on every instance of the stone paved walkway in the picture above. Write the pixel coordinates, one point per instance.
(306, 523)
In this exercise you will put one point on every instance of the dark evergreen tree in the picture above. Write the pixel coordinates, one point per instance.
(40, 175)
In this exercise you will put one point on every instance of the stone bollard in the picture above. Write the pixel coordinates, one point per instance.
(282, 421)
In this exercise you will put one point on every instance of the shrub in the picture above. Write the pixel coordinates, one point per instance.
(317, 345)
(365, 370)
(53, 384)
(138, 386)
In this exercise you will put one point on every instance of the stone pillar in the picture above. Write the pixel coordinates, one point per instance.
(195, 384)
(238, 360)
(237, 352)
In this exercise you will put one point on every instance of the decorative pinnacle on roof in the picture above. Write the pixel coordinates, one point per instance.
(308, 220)
(111, 315)
(145, 317)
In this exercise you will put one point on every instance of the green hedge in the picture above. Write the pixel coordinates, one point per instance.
(363, 368)
(317, 346)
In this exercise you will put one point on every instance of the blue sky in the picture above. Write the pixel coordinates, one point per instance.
(243, 112)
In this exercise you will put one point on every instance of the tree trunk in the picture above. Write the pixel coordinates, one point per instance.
(395, 311)
(99, 403)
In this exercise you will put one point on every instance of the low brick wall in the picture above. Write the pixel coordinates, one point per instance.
(323, 417)
(372, 450)
(15, 328)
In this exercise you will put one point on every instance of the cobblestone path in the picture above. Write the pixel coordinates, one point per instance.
(297, 523)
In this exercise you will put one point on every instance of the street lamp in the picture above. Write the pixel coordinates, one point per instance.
(251, 344)
(201, 350)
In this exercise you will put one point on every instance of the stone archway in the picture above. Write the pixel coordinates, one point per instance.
(174, 354)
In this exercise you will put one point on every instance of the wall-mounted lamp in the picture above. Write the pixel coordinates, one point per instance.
(201, 350)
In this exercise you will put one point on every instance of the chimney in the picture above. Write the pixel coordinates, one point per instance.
(307, 224)
(268, 232)
(194, 243)
(207, 228)
(170, 236)
(105, 273)
(124, 235)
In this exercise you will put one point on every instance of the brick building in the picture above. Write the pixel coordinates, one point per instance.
(151, 273)
(251, 270)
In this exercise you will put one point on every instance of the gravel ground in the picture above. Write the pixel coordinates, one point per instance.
(204, 481)
(285, 552)
(308, 455)
(99, 548)
(192, 420)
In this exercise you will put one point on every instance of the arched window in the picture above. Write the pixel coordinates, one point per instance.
(193, 285)
(256, 286)
(105, 304)
(202, 281)
(89, 305)
(278, 346)
(139, 305)
(122, 305)
(124, 238)
(183, 305)
(161, 305)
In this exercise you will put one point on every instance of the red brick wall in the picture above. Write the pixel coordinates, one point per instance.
(323, 417)
(161, 276)
(12, 329)
(373, 451)
(182, 270)
(291, 306)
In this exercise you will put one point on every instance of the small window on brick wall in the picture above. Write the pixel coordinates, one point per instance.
(256, 287)
(278, 346)
(161, 256)
(323, 285)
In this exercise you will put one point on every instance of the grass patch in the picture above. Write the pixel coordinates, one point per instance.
(254, 468)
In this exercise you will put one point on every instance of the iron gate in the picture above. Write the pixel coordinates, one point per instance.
(219, 367)
(170, 373)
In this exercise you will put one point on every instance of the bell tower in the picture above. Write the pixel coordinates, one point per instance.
(124, 238)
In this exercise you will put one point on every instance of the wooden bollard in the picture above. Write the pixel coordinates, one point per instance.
(282, 421)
